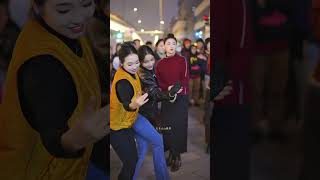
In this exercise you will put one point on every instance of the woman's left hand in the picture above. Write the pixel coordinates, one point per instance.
(180, 91)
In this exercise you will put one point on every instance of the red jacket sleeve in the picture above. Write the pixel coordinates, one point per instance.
(158, 75)
(219, 28)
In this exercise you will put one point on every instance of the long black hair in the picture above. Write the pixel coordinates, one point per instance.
(143, 51)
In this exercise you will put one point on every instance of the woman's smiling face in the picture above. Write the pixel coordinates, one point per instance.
(67, 17)
(131, 63)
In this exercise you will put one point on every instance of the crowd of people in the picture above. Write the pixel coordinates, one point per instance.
(260, 84)
(151, 91)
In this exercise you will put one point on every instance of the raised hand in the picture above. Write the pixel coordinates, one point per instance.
(90, 128)
(225, 92)
(139, 101)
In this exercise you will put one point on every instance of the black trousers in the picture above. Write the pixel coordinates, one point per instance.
(312, 135)
(123, 143)
(231, 143)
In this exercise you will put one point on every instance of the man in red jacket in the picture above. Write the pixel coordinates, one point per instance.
(232, 38)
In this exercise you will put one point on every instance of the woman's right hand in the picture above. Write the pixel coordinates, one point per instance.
(225, 91)
(92, 126)
(139, 101)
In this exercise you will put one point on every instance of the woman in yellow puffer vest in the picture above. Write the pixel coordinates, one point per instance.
(51, 112)
(129, 128)
(125, 100)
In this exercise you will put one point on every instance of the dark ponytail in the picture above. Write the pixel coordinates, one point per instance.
(170, 36)
(126, 49)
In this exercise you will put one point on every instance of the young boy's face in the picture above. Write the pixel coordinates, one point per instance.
(3, 17)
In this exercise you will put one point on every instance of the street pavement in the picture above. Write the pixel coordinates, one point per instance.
(195, 163)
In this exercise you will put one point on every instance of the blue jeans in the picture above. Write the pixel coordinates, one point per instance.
(95, 174)
(146, 134)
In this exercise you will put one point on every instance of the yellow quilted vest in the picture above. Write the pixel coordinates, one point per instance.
(119, 117)
(22, 154)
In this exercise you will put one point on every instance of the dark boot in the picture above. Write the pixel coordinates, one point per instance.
(176, 163)
(169, 159)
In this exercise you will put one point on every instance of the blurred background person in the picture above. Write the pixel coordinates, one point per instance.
(159, 50)
(208, 104)
(115, 58)
(97, 33)
(136, 43)
(232, 52)
(203, 64)
(149, 43)
(20, 11)
(270, 68)
(185, 52)
(195, 77)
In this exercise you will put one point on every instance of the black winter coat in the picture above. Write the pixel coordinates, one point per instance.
(150, 85)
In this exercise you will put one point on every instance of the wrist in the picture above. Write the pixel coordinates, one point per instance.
(133, 105)
(70, 142)
(73, 141)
